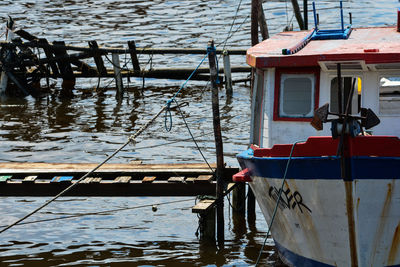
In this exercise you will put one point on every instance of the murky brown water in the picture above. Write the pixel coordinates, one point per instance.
(89, 126)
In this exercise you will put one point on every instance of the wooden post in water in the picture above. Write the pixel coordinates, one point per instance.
(239, 200)
(206, 210)
(134, 58)
(251, 200)
(227, 73)
(218, 144)
(263, 22)
(117, 76)
(254, 21)
(297, 13)
(49, 54)
(305, 11)
(97, 58)
(65, 68)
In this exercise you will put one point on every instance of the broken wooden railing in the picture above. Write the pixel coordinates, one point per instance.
(26, 63)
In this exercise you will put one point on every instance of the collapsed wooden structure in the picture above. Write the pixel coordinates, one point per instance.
(26, 62)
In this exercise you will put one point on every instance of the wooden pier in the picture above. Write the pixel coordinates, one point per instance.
(48, 179)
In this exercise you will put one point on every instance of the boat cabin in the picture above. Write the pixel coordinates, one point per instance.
(296, 73)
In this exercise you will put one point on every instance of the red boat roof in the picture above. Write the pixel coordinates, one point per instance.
(372, 45)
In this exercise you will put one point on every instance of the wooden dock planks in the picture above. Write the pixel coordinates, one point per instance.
(29, 179)
(148, 179)
(47, 179)
(203, 206)
(91, 180)
(122, 179)
(5, 178)
(204, 179)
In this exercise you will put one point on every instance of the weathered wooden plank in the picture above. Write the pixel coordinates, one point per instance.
(97, 58)
(49, 54)
(230, 187)
(63, 65)
(134, 58)
(176, 179)
(148, 179)
(5, 178)
(122, 179)
(204, 179)
(190, 179)
(63, 179)
(91, 180)
(30, 179)
(10, 167)
(26, 35)
(203, 206)
(83, 67)
(107, 189)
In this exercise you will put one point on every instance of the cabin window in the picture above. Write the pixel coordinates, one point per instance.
(296, 94)
(389, 95)
(347, 83)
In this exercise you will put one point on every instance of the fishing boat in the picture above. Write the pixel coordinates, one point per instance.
(325, 160)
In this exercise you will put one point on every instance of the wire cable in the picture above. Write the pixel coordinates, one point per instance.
(101, 212)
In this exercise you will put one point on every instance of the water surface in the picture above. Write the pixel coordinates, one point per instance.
(89, 126)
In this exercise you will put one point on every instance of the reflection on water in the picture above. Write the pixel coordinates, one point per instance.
(91, 125)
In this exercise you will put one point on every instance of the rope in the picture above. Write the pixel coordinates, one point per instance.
(277, 202)
(233, 22)
(130, 139)
(168, 115)
(191, 135)
(101, 212)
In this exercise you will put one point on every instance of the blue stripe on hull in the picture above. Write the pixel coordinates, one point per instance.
(321, 167)
(297, 260)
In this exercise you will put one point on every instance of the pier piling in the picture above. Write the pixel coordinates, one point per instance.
(239, 200)
(227, 73)
(218, 144)
(117, 76)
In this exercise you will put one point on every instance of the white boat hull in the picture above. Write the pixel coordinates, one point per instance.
(312, 226)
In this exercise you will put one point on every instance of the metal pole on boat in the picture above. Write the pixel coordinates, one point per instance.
(339, 77)
(341, 15)
(218, 144)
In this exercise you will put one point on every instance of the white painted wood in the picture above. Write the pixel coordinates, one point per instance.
(227, 73)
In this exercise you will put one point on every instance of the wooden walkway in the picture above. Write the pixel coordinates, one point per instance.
(48, 179)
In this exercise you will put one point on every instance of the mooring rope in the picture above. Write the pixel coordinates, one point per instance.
(277, 201)
(191, 135)
(168, 111)
(103, 212)
(130, 139)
